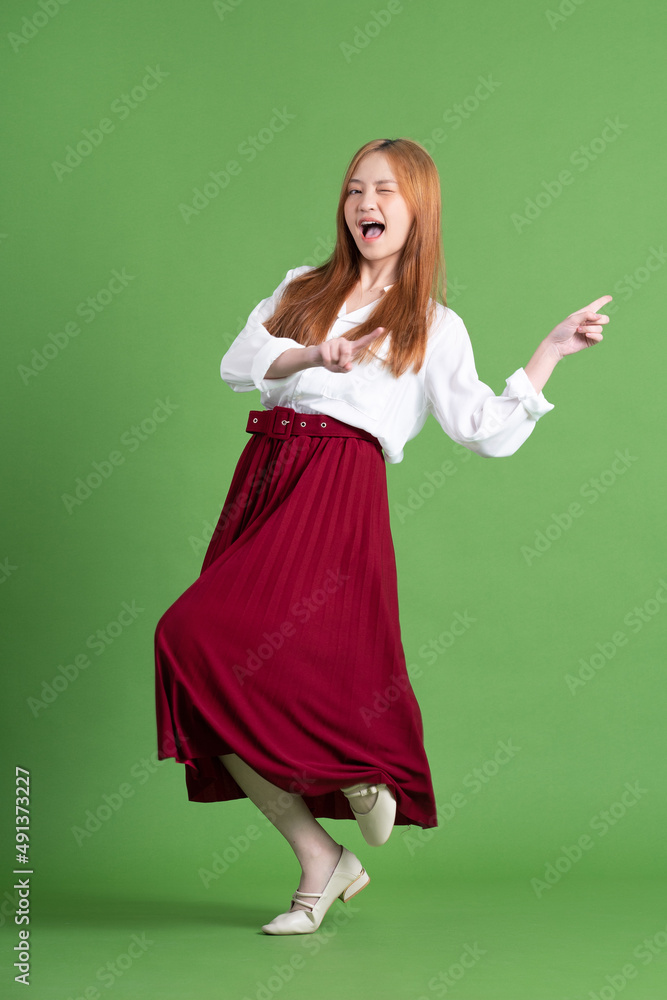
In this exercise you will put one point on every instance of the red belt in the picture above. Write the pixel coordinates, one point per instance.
(282, 422)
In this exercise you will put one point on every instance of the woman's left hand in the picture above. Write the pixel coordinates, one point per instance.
(581, 329)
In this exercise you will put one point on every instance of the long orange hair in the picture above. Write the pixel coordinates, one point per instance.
(311, 302)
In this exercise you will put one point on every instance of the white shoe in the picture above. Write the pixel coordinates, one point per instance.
(349, 877)
(376, 824)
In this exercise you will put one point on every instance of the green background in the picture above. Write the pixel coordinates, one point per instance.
(223, 70)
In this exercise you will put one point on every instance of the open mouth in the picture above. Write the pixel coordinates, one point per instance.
(371, 230)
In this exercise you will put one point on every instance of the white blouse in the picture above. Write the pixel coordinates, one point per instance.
(393, 409)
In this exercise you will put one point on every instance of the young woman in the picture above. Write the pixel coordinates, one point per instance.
(280, 673)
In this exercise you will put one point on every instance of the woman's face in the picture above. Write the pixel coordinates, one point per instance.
(373, 194)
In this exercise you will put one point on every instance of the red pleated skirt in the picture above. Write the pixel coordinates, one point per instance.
(287, 648)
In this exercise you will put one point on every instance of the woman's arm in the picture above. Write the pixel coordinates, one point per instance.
(336, 355)
(291, 361)
(581, 329)
(253, 349)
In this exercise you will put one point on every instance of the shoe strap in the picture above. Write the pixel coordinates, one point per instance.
(366, 790)
(298, 894)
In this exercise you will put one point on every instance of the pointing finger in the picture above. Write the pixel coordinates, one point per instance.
(598, 303)
(368, 338)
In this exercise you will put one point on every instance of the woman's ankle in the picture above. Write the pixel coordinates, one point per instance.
(313, 855)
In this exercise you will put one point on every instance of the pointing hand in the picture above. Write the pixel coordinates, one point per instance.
(581, 329)
(337, 354)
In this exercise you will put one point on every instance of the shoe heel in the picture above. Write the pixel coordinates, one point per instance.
(359, 883)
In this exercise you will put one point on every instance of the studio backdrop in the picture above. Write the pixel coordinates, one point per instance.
(165, 165)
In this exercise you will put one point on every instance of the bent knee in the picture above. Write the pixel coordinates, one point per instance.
(169, 625)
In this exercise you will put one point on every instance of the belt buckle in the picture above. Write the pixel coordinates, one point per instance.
(283, 418)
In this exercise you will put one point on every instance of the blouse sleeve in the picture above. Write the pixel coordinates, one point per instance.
(467, 409)
(254, 350)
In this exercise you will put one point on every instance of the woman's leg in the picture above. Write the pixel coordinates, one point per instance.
(317, 852)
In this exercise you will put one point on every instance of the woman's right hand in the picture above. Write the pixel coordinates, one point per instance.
(338, 354)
